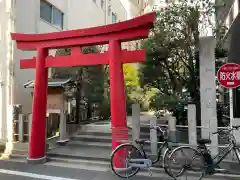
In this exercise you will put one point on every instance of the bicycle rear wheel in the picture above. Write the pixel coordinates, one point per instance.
(121, 156)
(186, 160)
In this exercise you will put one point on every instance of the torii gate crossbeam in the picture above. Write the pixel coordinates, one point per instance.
(112, 35)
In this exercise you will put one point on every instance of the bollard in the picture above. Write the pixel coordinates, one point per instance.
(63, 137)
(192, 128)
(153, 137)
(20, 128)
(135, 122)
(15, 111)
(29, 126)
(172, 128)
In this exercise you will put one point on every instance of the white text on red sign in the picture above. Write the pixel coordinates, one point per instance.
(229, 76)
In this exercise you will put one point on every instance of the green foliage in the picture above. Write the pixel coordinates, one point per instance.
(130, 77)
(105, 109)
(163, 101)
(171, 62)
(90, 78)
(134, 94)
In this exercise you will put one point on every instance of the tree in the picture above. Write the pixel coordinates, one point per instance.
(172, 48)
(89, 81)
(133, 90)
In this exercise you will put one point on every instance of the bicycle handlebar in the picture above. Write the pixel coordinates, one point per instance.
(228, 130)
(157, 128)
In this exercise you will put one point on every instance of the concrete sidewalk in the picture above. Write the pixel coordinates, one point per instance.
(22, 171)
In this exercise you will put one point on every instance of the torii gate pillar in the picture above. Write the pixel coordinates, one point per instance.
(117, 95)
(112, 35)
(38, 129)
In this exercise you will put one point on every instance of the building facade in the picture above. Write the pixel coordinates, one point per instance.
(227, 14)
(134, 7)
(40, 16)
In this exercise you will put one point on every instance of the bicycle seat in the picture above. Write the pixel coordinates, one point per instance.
(140, 141)
(204, 141)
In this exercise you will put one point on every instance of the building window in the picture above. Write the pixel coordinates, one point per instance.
(57, 18)
(51, 14)
(46, 11)
(114, 18)
(94, 1)
(102, 4)
(138, 2)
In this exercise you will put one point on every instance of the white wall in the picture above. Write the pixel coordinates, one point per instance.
(25, 23)
(77, 15)
(132, 7)
(119, 10)
(3, 70)
(83, 15)
(28, 21)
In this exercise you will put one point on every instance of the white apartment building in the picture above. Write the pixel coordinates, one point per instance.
(134, 7)
(156, 5)
(40, 16)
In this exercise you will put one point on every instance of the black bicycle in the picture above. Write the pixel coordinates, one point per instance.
(199, 160)
(133, 157)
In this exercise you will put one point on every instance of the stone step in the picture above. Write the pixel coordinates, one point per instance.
(89, 144)
(18, 156)
(99, 133)
(94, 138)
(104, 145)
(20, 152)
(90, 154)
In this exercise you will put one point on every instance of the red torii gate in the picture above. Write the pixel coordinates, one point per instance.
(113, 35)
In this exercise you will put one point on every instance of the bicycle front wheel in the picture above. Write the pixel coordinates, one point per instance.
(120, 160)
(166, 156)
(186, 160)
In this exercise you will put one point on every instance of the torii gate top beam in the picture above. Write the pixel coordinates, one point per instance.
(137, 28)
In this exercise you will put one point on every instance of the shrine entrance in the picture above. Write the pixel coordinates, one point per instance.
(112, 35)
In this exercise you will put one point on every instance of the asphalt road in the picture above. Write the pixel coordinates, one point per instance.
(23, 171)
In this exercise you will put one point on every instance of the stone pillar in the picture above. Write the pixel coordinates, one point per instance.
(153, 137)
(63, 137)
(21, 128)
(29, 126)
(172, 129)
(192, 127)
(208, 90)
(135, 122)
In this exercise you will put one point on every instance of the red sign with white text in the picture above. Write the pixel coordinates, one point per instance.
(229, 75)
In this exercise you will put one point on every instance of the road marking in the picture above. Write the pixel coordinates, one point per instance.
(32, 175)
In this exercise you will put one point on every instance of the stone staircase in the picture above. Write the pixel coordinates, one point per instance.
(90, 148)
(91, 142)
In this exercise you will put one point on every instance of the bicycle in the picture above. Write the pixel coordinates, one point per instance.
(138, 159)
(202, 158)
